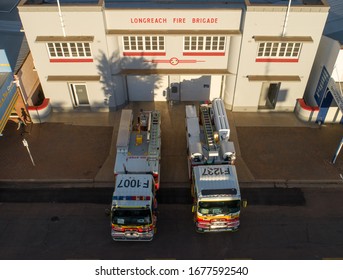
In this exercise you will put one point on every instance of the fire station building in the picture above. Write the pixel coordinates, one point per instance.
(256, 55)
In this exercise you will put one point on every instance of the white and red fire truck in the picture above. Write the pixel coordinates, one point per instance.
(136, 170)
(211, 157)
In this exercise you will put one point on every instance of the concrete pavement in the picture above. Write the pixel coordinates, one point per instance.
(79, 147)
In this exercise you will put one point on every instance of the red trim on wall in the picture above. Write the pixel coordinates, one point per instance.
(277, 59)
(71, 59)
(174, 61)
(40, 107)
(144, 53)
(204, 53)
(304, 106)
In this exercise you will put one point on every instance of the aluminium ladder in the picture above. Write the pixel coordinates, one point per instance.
(208, 130)
(153, 149)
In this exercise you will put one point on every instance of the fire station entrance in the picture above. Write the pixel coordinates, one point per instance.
(173, 87)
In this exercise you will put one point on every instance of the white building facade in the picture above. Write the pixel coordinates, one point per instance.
(100, 54)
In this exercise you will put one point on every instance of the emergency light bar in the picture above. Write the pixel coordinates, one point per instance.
(123, 197)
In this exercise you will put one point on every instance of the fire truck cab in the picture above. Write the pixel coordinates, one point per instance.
(133, 211)
(217, 198)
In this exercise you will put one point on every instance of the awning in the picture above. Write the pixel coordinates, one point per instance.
(271, 78)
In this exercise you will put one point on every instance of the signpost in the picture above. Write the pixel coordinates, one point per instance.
(28, 150)
(337, 152)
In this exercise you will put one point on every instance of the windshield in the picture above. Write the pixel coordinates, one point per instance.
(219, 207)
(131, 217)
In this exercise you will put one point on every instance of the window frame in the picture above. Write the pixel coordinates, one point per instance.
(143, 45)
(69, 51)
(278, 51)
(74, 94)
(211, 45)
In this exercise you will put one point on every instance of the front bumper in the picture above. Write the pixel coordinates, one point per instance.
(217, 227)
(132, 236)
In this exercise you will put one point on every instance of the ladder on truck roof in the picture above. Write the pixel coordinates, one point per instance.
(154, 134)
(206, 120)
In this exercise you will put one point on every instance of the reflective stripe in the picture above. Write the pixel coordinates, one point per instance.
(121, 197)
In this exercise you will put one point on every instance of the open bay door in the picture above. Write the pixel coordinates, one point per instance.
(147, 88)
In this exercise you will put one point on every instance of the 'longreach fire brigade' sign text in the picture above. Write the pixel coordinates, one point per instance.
(175, 19)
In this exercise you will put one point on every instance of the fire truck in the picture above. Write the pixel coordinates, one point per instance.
(211, 156)
(136, 170)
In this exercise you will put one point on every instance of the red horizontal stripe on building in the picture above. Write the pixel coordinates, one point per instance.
(168, 61)
(277, 59)
(204, 53)
(189, 61)
(144, 53)
(158, 61)
(71, 59)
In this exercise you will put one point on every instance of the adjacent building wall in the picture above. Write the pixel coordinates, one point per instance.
(327, 54)
(28, 81)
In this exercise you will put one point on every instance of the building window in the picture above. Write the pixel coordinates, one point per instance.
(69, 51)
(79, 94)
(143, 45)
(204, 45)
(278, 52)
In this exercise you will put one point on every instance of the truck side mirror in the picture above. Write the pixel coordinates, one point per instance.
(244, 203)
(193, 208)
